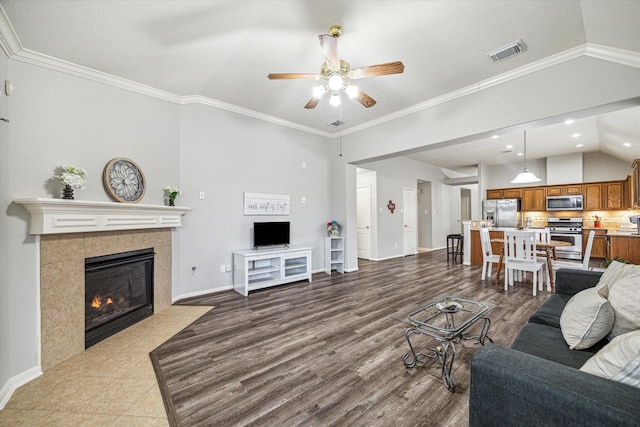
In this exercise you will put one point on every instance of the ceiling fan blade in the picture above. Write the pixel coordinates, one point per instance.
(330, 46)
(313, 102)
(365, 99)
(377, 70)
(291, 76)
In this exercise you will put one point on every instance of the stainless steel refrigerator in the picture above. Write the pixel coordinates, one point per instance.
(503, 212)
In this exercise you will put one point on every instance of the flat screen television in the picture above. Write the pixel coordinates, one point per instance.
(270, 233)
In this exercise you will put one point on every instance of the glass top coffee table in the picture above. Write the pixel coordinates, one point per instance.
(445, 320)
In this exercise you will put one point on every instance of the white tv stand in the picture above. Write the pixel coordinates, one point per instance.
(262, 268)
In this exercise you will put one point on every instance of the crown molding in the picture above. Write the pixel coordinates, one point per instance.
(605, 53)
(8, 38)
(198, 99)
(10, 43)
(611, 54)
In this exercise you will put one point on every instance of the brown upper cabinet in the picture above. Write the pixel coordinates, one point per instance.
(592, 194)
(564, 190)
(494, 194)
(597, 196)
(512, 193)
(635, 185)
(614, 193)
(534, 199)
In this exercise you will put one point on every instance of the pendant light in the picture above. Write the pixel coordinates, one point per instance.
(525, 176)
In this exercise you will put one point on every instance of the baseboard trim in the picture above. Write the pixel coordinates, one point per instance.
(389, 257)
(12, 385)
(200, 293)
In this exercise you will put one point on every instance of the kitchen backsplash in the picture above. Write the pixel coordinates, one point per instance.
(608, 219)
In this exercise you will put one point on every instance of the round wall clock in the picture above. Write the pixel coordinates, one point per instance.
(124, 180)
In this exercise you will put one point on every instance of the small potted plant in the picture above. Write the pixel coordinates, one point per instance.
(72, 178)
(171, 193)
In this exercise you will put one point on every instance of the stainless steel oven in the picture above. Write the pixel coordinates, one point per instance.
(567, 230)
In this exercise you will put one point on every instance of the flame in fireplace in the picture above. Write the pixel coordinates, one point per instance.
(97, 302)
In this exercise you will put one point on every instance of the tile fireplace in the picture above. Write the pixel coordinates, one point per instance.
(118, 292)
(69, 232)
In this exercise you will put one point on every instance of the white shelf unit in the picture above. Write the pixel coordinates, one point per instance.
(334, 254)
(258, 269)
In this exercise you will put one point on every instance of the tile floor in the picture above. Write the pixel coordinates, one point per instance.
(110, 384)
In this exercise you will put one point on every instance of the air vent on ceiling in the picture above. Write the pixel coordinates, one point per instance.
(506, 52)
(336, 123)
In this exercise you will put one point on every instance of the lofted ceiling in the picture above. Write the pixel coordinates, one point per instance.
(221, 52)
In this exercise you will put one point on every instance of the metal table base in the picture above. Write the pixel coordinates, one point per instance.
(445, 352)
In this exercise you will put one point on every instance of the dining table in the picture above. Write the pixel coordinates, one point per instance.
(549, 248)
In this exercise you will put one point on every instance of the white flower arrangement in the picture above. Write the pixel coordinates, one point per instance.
(72, 176)
(172, 192)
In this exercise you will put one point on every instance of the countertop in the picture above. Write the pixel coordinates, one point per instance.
(618, 232)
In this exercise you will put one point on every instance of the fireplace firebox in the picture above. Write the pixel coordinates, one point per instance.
(118, 293)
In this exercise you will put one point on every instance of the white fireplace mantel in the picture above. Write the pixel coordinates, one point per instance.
(54, 216)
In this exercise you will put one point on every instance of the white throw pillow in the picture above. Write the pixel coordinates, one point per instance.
(586, 319)
(618, 361)
(614, 272)
(624, 297)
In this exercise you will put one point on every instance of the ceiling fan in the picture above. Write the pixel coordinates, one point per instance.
(337, 72)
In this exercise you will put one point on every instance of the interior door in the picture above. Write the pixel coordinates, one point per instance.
(363, 220)
(409, 221)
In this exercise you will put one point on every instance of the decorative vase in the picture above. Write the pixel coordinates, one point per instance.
(67, 193)
(333, 232)
(172, 202)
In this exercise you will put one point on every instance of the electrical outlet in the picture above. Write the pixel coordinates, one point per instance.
(202, 195)
(222, 269)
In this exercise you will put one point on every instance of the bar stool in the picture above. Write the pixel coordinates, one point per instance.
(454, 246)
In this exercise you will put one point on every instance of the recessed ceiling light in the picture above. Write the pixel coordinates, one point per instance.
(575, 135)
(494, 136)
(568, 121)
(579, 145)
(627, 144)
(509, 147)
(519, 154)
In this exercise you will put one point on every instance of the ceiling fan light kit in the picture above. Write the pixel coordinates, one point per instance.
(336, 72)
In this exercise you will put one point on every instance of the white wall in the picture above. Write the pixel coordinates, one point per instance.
(395, 174)
(500, 176)
(226, 154)
(562, 89)
(572, 86)
(60, 119)
(564, 169)
(602, 167)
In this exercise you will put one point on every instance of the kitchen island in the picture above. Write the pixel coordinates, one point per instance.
(623, 244)
(476, 245)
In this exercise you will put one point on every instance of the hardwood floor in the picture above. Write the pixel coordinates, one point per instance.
(329, 352)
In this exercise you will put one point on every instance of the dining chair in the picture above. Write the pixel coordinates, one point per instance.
(488, 258)
(520, 254)
(543, 235)
(584, 265)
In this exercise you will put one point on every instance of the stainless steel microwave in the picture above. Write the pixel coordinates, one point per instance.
(564, 203)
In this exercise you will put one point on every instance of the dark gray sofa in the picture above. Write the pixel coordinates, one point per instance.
(538, 382)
